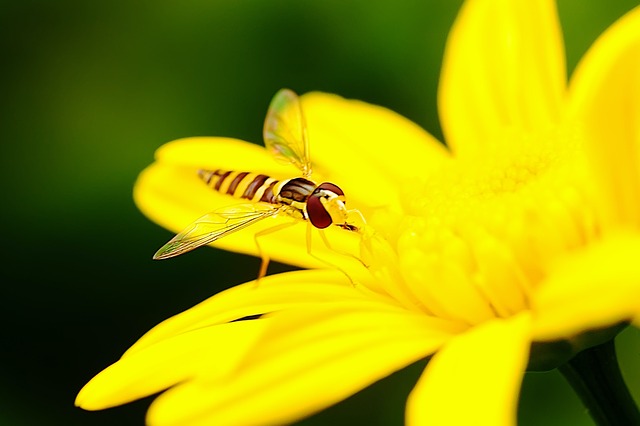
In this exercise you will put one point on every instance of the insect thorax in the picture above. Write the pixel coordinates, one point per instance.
(294, 193)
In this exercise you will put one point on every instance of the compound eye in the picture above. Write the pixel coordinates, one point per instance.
(318, 215)
(328, 186)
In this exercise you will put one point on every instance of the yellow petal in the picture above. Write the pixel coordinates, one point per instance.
(273, 293)
(214, 350)
(503, 73)
(312, 358)
(605, 101)
(173, 196)
(475, 378)
(597, 287)
(221, 153)
(443, 288)
(368, 149)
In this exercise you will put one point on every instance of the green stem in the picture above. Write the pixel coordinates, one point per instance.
(595, 376)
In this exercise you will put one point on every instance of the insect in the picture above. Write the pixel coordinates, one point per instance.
(321, 205)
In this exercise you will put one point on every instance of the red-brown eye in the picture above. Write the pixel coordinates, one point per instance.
(328, 186)
(318, 215)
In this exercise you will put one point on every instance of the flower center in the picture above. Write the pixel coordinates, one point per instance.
(479, 236)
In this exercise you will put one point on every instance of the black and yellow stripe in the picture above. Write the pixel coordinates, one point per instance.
(249, 186)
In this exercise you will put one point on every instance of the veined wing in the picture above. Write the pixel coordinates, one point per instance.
(285, 132)
(215, 225)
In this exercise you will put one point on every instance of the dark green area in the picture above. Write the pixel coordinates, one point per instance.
(91, 89)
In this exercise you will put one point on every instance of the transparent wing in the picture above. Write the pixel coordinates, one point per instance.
(215, 225)
(285, 132)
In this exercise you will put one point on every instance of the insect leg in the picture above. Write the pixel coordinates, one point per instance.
(326, 262)
(326, 242)
(361, 222)
(264, 264)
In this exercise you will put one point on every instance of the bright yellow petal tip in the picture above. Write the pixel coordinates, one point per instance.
(503, 73)
(480, 371)
(605, 104)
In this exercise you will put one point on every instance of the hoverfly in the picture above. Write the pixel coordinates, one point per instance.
(321, 205)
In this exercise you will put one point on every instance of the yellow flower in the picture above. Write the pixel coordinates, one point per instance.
(524, 231)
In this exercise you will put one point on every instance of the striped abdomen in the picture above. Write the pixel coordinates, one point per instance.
(249, 186)
(323, 205)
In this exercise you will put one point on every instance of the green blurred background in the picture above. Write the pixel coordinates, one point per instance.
(91, 89)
